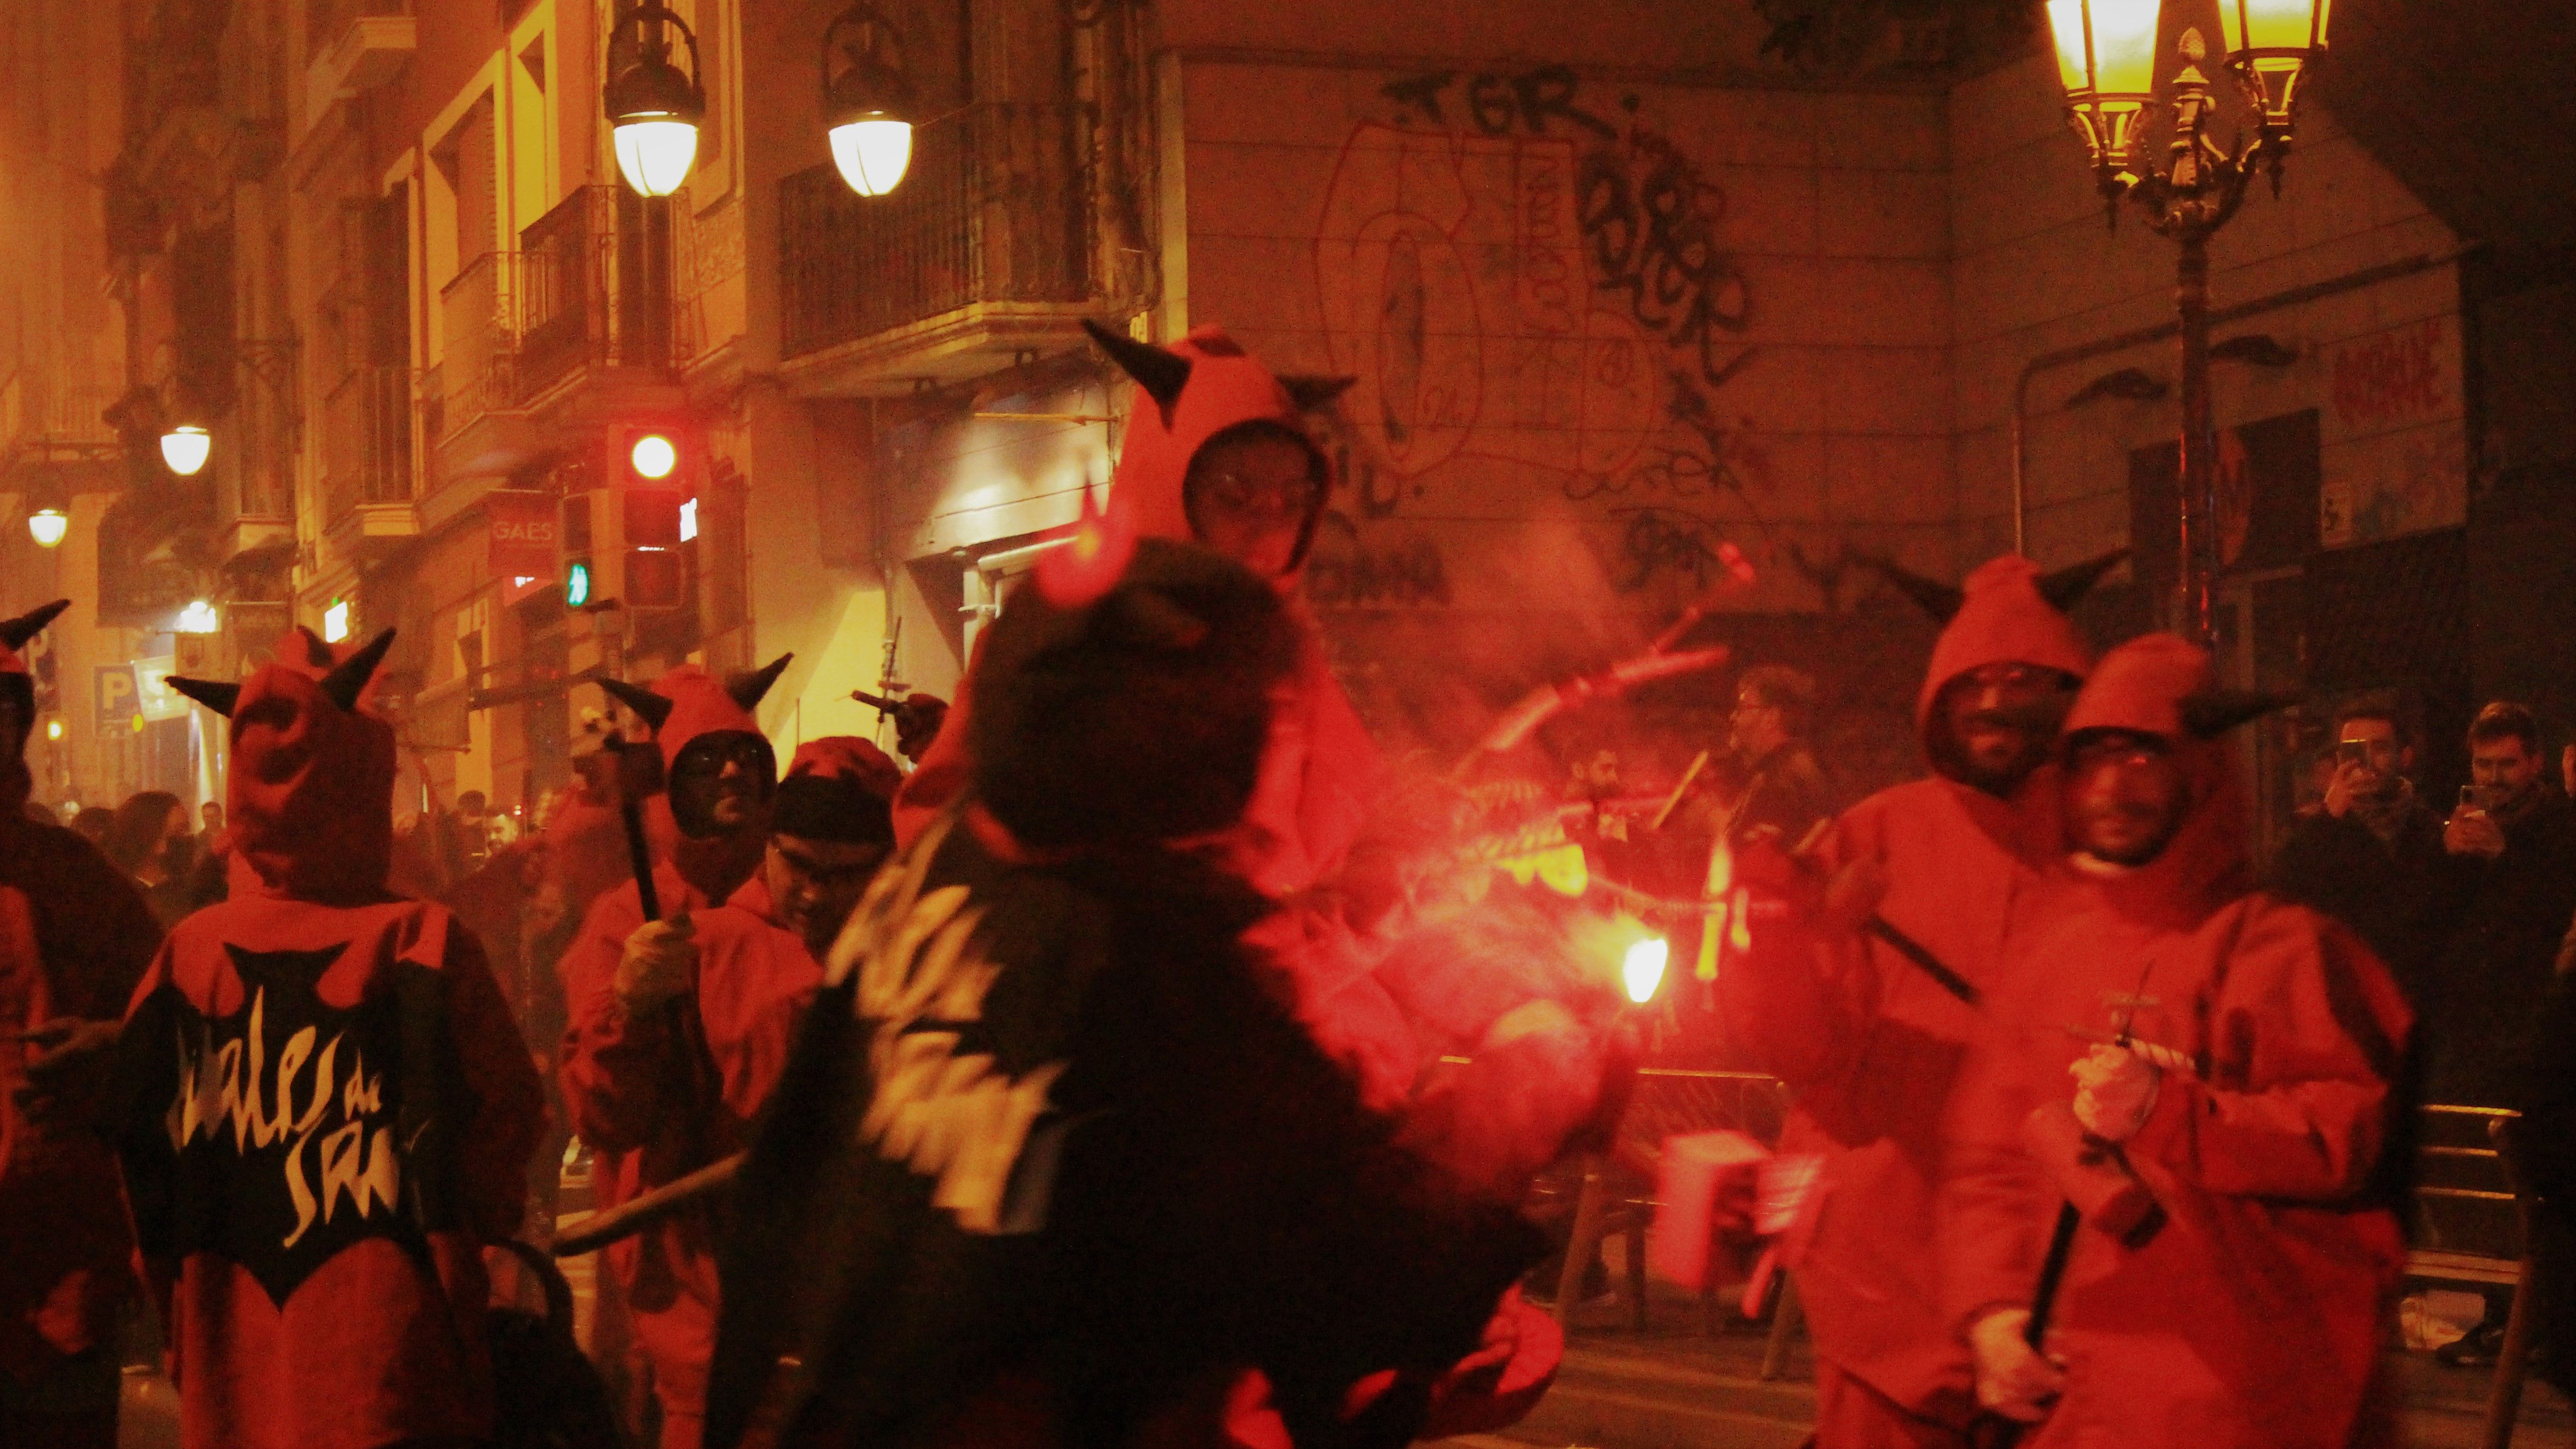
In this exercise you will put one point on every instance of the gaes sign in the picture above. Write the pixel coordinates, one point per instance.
(525, 532)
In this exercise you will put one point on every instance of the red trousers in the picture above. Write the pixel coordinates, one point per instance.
(1852, 1415)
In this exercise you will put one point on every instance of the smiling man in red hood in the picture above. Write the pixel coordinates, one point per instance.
(2230, 1057)
(1868, 1041)
(651, 1064)
(75, 937)
(324, 1108)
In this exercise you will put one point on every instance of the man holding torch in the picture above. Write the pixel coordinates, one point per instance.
(2221, 1271)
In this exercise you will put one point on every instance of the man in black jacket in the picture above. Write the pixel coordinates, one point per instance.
(2371, 854)
(2512, 867)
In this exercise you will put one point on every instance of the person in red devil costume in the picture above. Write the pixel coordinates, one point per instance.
(75, 937)
(2230, 1057)
(323, 1108)
(646, 1057)
(1867, 1040)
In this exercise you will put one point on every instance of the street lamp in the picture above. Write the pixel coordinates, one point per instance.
(198, 617)
(185, 447)
(653, 106)
(2106, 57)
(868, 102)
(47, 526)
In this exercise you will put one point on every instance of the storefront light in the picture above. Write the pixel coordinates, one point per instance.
(335, 622)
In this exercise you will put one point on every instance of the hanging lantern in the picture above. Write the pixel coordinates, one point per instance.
(47, 527)
(868, 101)
(653, 106)
(2272, 42)
(2106, 56)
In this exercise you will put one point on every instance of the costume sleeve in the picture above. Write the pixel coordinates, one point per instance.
(94, 932)
(612, 1066)
(2306, 1031)
(509, 1103)
(1993, 1204)
(1806, 990)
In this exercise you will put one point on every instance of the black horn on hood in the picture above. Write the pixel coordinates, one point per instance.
(652, 708)
(2074, 581)
(748, 689)
(317, 650)
(213, 694)
(1941, 601)
(16, 632)
(1161, 372)
(348, 680)
(2213, 712)
(1310, 391)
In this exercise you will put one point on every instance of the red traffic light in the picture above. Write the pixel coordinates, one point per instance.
(653, 455)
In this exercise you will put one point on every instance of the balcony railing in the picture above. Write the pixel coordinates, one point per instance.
(477, 372)
(367, 440)
(40, 416)
(997, 207)
(594, 289)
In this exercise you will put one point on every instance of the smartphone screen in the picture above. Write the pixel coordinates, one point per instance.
(2353, 752)
(2469, 801)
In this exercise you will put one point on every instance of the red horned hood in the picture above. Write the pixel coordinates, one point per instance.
(1186, 394)
(18, 689)
(2160, 685)
(2002, 618)
(310, 790)
(688, 702)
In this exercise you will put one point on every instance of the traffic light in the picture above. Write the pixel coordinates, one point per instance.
(622, 540)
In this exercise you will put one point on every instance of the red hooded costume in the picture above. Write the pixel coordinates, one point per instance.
(325, 1109)
(2254, 1316)
(75, 937)
(663, 1093)
(1871, 1044)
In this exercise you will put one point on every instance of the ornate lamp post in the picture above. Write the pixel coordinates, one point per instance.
(2106, 52)
(653, 106)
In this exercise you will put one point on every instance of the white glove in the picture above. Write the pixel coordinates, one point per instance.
(2012, 1379)
(2115, 1089)
(660, 962)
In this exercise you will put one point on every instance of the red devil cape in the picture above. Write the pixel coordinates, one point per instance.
(325, 1109)
(2253, 1318)
(1871, 1045)
(74, 939)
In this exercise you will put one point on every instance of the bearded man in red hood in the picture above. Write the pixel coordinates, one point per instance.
(1869, 1042)
(2230, 1057)
(324, 1109)
(677, 1025)
(75, 937)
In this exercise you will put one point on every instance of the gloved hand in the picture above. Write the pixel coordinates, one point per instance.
(659, 963)
(2115, 1089)
(2013, 1380)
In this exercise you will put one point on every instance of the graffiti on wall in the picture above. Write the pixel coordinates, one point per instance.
(1532, 284)
(2396, 456)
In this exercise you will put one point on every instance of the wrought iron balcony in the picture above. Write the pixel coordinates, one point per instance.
(989, 247)
(41, 422)
(367, 474)
(594, 290)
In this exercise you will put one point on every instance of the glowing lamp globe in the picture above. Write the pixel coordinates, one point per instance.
(653, 106)
(2273, 41)
(872, 154)
(47, 527)
(654, 154)
(2106, 58)
(654, 456)
(868, 101)
(198, 618)
(185, 448)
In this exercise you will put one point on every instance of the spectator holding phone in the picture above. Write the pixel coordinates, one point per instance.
(2512, 867)
(2370, 854)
